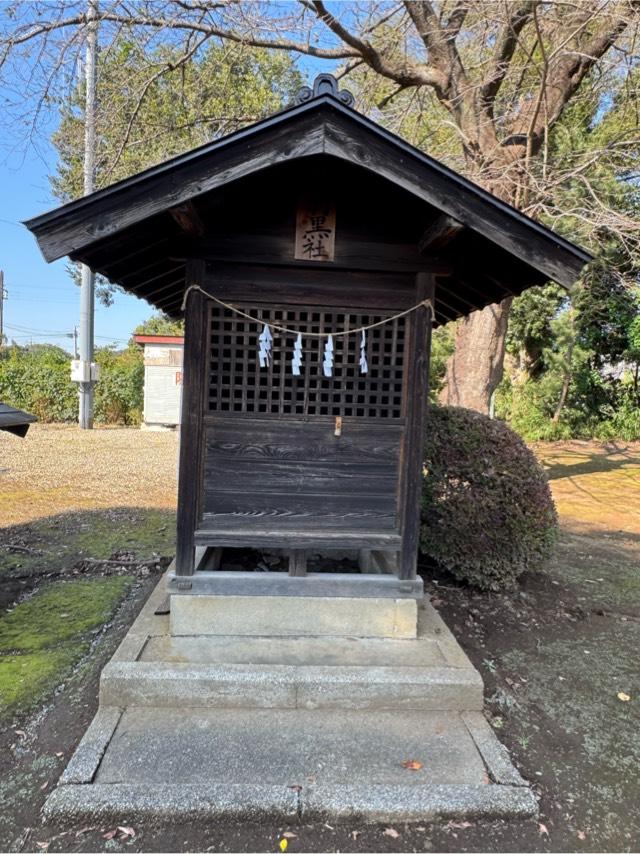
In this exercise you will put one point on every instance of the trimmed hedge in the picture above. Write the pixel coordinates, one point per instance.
(37, 379)
(487, 510)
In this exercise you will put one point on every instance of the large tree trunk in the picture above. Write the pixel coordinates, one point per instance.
(475, 369)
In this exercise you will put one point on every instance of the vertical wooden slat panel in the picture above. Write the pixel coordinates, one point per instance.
(413, 450)
(195, 371)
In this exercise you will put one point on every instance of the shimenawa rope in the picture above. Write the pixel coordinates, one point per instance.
(426, 302)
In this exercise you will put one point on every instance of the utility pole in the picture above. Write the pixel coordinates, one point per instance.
(3, 296)
(87, 279)
(74, 336)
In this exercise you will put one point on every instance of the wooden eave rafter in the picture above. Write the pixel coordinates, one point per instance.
(442, 231)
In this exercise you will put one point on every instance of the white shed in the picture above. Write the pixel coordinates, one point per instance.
(162, 379)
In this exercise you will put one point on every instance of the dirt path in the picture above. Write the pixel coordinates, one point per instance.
(555, 657)
(59, 468)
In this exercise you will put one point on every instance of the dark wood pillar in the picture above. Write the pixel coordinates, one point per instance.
(413, 446)
(194, 370)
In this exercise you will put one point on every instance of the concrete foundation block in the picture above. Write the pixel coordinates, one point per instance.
(284, 616)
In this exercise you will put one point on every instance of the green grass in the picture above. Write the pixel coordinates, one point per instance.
(42, 639)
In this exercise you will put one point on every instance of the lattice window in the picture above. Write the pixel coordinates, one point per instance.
(238, 384)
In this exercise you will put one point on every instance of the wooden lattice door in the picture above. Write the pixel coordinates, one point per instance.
(309, 457)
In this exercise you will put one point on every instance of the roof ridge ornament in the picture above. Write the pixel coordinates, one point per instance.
(324, 84)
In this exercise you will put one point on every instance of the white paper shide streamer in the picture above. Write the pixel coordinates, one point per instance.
(364, 365)
(296, 361)
(266, 341)
(327, 365)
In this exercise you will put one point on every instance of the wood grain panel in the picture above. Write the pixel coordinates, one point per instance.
(272, 512)
(291, 477)
(253, 283)
(236, 438)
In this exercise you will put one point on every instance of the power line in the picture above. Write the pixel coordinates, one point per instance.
(39, 286)
(19, 328)
(57, 332)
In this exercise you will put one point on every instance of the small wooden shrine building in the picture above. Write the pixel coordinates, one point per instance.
(311, 253)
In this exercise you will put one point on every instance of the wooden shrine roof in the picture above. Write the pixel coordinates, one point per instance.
(131, 231)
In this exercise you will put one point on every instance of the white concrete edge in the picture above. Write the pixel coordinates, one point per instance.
(494, 754)
(373, 803)
(292, 673)
(87, 756)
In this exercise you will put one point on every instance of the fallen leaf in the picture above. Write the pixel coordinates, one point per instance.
(127, 831)
(355, 834)
(22, 734)
(42, 845)
(485, 778)
(582, 835)
(542, 830)
(392, 832)
(412, 764)
(44, 785)
(59, 754)
(110, 834)
(289, 835)
(85, 830)
(624, 697)
(283, 844)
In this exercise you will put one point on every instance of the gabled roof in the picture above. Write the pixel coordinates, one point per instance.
(15, 420)
(86, 229)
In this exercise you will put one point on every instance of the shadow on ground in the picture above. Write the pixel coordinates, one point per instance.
(75, 543)
(590, 460)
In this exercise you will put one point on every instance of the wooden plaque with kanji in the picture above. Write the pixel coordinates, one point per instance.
(315, 232)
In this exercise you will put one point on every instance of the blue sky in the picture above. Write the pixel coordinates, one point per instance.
(43, 302)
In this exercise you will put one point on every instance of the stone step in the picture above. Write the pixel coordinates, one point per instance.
(289, 764)
(289, 686)
(374, 652)
(291, 615)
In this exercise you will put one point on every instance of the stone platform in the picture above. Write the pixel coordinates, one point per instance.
(246, 726)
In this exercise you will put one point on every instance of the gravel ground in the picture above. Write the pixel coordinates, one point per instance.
(57, 468)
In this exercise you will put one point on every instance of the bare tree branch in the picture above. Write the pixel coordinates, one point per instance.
(407, 75)
(519, 15)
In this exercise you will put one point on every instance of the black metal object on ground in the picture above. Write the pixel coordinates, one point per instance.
(15, 420)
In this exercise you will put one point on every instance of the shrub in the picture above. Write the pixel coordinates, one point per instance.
(38, 380)
(487, 510)
(119, 392)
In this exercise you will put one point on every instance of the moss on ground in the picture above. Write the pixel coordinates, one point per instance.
(42, 638)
